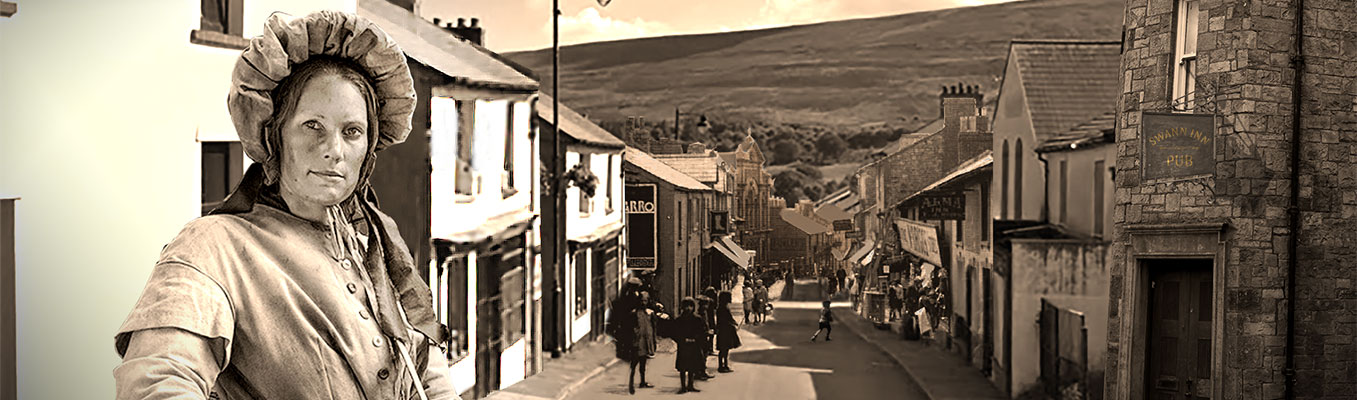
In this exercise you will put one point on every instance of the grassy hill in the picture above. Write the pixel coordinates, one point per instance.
(852, 73)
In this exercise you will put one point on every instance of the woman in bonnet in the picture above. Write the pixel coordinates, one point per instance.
(297, 287)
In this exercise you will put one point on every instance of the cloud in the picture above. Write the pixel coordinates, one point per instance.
(590, 26)
(792, 12)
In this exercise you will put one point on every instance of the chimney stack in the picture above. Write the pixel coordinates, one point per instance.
(472, 33)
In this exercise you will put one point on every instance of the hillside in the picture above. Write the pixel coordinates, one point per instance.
(852, 73)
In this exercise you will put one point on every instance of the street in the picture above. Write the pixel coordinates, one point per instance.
(777, 361)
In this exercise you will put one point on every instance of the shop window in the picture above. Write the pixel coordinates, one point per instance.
(458, 317)
(512, 286)
(223, 166)
(1185, 56)
(221, 25)
(581, 282)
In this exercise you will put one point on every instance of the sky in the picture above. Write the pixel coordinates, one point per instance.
(514, 25)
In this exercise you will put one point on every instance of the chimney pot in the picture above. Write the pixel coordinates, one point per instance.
(475, 22)
(461, 22)
(436, 22)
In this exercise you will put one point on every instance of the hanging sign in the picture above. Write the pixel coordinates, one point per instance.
(920, 240)
(641, 226)
(1177, 145)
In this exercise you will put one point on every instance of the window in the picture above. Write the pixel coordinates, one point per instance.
(1185, 55)
(513, 284)
(458, 317)
(1003, 186)
(1017, 179)
(1064, 190)
(223, 166)
(985, 212)
(465, 176)
(679, 220)
(960, 231)
(1098, 168)
(507, 184)
(608, 192)
(586, 203)
(581, 282)
(221, 25)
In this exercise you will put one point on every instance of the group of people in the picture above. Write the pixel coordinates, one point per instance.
(756, 304)
(703, 327)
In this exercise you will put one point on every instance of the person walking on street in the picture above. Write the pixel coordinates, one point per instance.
(631, 328)
(826, 322)
(843, 278)
(755, 303)
(747, 300)
(688, 331)
(727, 334)
(893, 301)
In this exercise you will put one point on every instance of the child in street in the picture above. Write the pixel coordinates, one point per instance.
(826, 320)
(688, 331)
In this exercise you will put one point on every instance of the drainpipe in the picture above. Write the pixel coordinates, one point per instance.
(1293, 208)
(1045, 186)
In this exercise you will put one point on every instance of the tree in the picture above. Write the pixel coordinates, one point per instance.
(785, 151)
(831, 146)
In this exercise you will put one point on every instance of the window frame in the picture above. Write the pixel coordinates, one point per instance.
(1186, 24)
(224, 31)
(507, 187)
(465, 182)
(233, 170)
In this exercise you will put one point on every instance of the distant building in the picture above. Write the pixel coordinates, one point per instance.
(666, 250)
(722, 258)
(753, 190)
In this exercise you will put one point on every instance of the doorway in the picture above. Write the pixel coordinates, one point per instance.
(1178, 352)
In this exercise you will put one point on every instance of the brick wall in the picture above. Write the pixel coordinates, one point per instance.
(1244, 55)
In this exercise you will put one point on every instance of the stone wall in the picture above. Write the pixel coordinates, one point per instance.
(1245, 57)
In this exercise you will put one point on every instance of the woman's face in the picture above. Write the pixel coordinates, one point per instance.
(324, 143)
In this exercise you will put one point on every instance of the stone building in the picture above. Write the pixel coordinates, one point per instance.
(1236, 135)
(753, 189)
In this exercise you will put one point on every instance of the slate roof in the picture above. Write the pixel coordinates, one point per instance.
(435, 47)
(728, 157)
(577, 126)
(1099, 130)
(802, 222)
(699, 166)
(1067, 82)
(661, 170)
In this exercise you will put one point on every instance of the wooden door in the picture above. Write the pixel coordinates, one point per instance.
(1179, 360)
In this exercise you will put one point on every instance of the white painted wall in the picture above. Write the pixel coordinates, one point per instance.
(103, 105)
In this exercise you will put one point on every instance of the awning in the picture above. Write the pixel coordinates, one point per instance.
(863, 255)
(731, 250)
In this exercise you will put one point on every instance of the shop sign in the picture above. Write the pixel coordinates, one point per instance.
(936, 206)
(642, 227)
(843, 225)
(854, 235)
(920, 240)
(1177, 145)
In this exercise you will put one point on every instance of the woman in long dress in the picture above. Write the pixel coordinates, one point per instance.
(297, 287)
(727, 334)
(633, 331)
(689, 328)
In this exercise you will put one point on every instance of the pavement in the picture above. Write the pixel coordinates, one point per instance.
(777, 361)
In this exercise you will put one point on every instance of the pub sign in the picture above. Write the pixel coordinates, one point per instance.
(936, 206)
(641, 226)
(1177, 145)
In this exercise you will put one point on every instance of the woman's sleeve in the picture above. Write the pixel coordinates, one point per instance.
(177, 338)
(166, 363)
(438, 377)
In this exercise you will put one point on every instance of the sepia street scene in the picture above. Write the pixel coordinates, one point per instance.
(736, 199)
